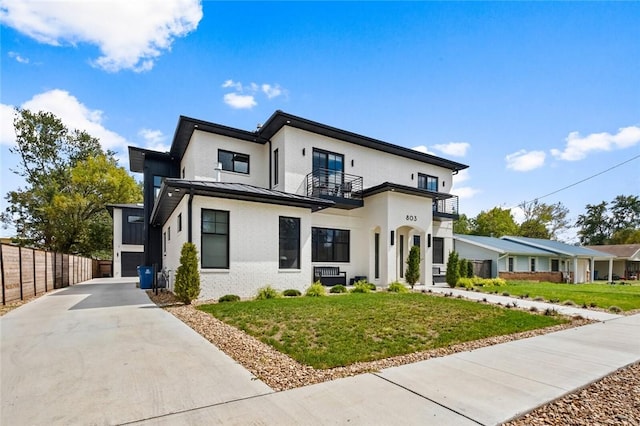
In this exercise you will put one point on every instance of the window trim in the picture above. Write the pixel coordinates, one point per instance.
(233, 161)
(281, 239)
(203, 233)
(315, 242)
(511, 264)
(551, 265)
(533, 264)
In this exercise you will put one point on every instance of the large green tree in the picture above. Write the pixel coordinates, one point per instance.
(68, 182)
(495, 223)
(543, 220)
(619, 224)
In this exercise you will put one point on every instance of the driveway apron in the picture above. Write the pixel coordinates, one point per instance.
(102, 353)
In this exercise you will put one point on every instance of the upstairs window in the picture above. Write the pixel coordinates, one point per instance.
(233, 161)
(430, 183)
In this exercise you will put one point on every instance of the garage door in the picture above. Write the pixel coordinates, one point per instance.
(130, 263)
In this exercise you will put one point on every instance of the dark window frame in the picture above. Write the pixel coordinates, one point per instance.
(276, 166)
(179, 222)
(236, 157)
(511, 264)
(203, 258)
(424, 180)
(438, 250)
(555, 268)
(330, 235)
(285, 242)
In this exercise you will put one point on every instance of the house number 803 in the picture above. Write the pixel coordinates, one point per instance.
(412, 218)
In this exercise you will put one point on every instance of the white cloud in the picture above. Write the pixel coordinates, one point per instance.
(455, 149)
(271, 91)
(465, 192)
(523, 161)
(237, 101)
(154, 140)
(578, 147)
(245, 95)
(7, 133)
(73, 113)
(423, 149)
(461, 176)
(18, 57)
(129, 34)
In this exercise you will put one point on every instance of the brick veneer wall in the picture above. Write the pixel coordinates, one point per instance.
(554, 277)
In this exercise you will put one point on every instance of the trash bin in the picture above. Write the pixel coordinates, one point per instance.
(145, 273)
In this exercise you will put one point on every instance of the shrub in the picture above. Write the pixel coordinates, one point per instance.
(469, 273)
(187, 284)
(538, 299)
(506, 293)
(229, 298)
(470, 283)
(396, 287)
(338, 289)
(412, 274)
(533, 309)
(453, 272)
(362, 287)
(267, 292)
(615, 309)
(550, 312)
(593, 304)
(316, 290)
(569, 303)
(291, 292)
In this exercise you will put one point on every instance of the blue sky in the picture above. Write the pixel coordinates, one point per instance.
(532, 96)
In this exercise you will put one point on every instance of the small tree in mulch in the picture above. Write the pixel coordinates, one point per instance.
(453, 271)
(187, 285)
(412, 274)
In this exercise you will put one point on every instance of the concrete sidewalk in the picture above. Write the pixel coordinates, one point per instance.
(102, 353)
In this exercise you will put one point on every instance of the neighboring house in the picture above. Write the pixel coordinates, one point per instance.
(531, 258)
(128, 238)
(625, 264)
(273, 206)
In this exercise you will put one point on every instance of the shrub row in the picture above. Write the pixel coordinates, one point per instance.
(480, 282)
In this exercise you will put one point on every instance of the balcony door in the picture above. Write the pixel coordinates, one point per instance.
(328, 168)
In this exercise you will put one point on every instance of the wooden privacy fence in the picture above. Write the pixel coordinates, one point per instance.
(27, 272)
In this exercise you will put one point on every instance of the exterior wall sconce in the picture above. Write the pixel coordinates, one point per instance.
(303, 152)
(411, 176)
(393, 237)
(443, 184)
(352, 163)
(428, 240)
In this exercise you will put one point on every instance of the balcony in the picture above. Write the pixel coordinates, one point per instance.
(446, 209)
(342, 188)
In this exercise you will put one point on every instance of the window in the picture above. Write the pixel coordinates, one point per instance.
(416, 240)
(164, 242)
(555, 265)
(157, 183)
(377, 255)
(276, 172)
(233, 162)
(329, 245)
(289, 245)
(215, 239)
(430, 183)
(183, 173)
(438, 250)
(328, 168)
(135, 219)
(532, 263)
(510, 266)
(180, 222)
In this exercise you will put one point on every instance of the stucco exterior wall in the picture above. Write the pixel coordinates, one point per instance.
(201, 157)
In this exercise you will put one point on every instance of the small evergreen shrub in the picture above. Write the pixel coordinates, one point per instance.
(336, 289)
(316, 290)
(187, 284)
(412, 274)
(362, 287)
(396, 287)
(229, 298)
(453, 271)
(291, 292)
(470, 273)
(267, 292)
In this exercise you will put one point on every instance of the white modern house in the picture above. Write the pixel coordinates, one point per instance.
(128, 238)
(292, 202)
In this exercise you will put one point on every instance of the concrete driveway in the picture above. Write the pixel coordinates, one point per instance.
(102, 353)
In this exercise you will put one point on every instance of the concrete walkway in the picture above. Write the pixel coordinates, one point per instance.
(102, 354)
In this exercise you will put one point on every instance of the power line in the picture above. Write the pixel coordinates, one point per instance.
(581, 181)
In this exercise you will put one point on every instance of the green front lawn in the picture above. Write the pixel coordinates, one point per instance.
(626, 297)
(327, 332)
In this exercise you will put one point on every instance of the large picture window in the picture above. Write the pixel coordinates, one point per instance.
(289, 245)
(233, 161)
(329, 245)
(215, 239)
(430, 183)
(438, 250)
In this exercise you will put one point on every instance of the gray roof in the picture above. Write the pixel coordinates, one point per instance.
(502, 246)
(173, 190)
(558, 247)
